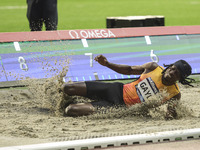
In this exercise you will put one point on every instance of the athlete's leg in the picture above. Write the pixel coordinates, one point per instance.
(80, 109)
(77, 88)
(109, 95)
(111, 92)
(80, 89)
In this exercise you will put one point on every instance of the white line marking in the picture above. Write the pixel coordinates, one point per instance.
(148, 40)
(91, 58)
(84, 42)
(177, 37)
(96, 75)
(17, 47)
(13, 7)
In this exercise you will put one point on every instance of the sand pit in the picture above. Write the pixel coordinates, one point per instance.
(32, 115)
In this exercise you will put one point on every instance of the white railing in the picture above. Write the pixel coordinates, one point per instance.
(105, 142)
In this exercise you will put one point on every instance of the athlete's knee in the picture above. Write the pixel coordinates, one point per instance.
(68, 89)
(78, 89)
(81, 109)
(71, 111)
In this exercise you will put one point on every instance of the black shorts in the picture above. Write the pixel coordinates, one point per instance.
(105, 94)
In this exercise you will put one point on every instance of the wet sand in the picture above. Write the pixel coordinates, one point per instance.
(33, 115)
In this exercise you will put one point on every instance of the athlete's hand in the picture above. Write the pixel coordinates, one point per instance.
(101, 60)
(171, 114)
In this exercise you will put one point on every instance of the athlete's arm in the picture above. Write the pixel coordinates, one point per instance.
(126, 69)
(171, 108)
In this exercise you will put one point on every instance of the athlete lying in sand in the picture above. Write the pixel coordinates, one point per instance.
(153, 79)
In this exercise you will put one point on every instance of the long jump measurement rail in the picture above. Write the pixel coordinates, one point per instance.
(106, 142)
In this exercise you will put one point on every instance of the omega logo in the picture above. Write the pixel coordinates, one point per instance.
(91, 34)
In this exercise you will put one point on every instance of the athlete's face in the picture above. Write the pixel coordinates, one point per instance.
(172, 74)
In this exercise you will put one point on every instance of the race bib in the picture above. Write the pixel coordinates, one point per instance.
(146, 88)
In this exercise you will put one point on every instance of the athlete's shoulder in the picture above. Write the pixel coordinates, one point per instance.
(150, 66)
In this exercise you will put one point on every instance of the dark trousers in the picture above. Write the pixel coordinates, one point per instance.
(42, 11)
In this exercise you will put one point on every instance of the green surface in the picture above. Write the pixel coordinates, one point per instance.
(164, 45)
(91, 14)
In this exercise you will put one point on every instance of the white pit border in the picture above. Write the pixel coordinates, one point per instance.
(105, 142)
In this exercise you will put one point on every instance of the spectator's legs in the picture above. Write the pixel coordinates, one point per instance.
(50, 14)
(34, 15)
